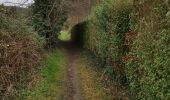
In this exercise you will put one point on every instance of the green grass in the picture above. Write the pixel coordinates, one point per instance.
(51, 86)
(64, 36)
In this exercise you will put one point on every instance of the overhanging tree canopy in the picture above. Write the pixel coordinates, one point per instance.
(48, 19)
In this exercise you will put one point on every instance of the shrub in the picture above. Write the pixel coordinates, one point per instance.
(133, 41)
(106, 30)
(48, 19)
(19, 55)
(148, 69)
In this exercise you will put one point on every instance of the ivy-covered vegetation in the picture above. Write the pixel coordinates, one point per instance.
(106, 30)
(131, 38)
(48, 19)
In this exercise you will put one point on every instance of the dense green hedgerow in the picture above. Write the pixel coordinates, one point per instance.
(148, 69)
(132, 40)
(106, 30)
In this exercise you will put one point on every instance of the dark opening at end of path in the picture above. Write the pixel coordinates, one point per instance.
(76, 36)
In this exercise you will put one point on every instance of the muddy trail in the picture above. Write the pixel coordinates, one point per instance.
(72, 85)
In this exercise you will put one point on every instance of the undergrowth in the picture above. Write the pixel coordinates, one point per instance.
(20, 54)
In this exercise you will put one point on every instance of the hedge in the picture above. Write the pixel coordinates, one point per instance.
(132, 40)
(148, 68)
(105, 36)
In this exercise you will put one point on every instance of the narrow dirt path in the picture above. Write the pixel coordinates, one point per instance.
(72, 91)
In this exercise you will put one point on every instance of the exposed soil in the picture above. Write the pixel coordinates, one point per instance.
(73, 83)
(72, 89)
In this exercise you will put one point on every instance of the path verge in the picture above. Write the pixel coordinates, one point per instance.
(51, 86)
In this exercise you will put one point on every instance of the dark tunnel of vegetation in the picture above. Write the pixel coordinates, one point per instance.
(78, 33)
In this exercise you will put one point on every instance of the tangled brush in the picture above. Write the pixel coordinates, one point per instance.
(19, 56)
